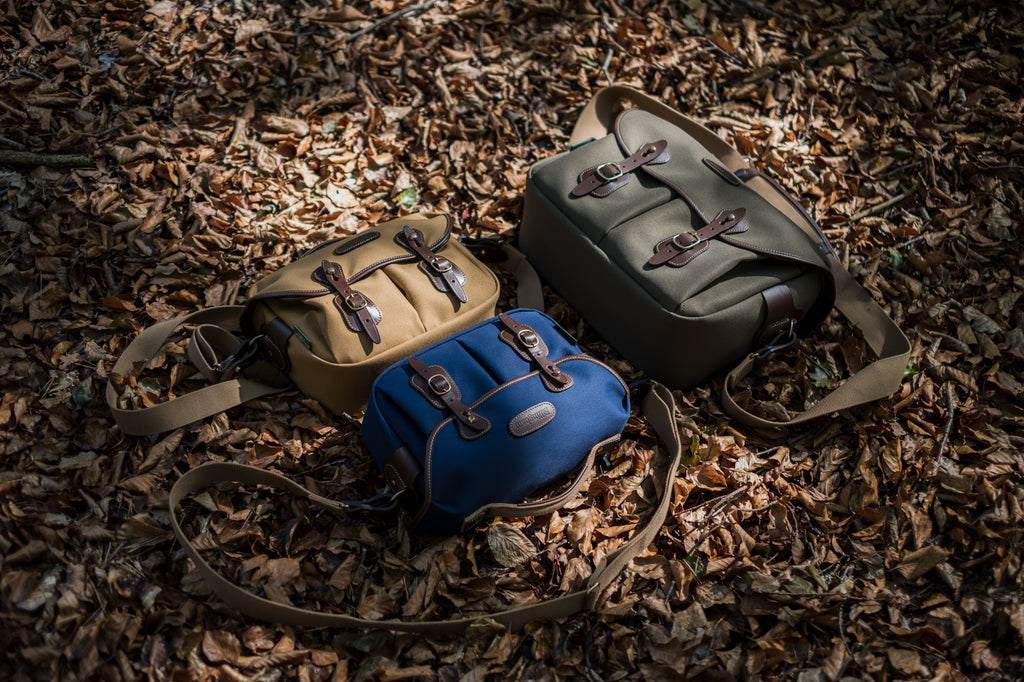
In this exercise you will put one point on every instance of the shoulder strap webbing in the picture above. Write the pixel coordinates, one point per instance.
(874, 381)
(189, 407)
(659, 408)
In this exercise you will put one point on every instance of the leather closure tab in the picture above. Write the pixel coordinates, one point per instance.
(358, 311)
(679, 250)
(604, 178)
(781, 315)
(525, 340)
(274, 343)
(354, 242)
(437, 386)
(445, 275)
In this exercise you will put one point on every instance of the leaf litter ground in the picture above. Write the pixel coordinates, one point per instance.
(159, 157)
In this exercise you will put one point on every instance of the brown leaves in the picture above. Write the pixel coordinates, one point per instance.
(882, 542)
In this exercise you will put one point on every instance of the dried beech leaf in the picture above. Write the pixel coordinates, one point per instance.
(915, 564)
(509, 545)
(220, 646)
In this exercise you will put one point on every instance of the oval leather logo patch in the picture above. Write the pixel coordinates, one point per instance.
(531, 419)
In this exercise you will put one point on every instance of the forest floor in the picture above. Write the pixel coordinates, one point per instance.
(159, 157)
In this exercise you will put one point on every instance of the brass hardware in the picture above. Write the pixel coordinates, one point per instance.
(686, 247)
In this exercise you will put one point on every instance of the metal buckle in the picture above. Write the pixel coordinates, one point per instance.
(783, 339)
(599, 171)
(439, 384)
(686, 247)
(441, 264)
(245, 352)
(360, 302)
(528, 338)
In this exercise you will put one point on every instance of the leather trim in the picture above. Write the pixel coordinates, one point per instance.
(679, 250)
(401, 470)
(437, 385)
(781, 313)
(357, 310)
(532, 419)
(274, 343)
(722, 171)
(355, 242)
(445, 275)
(529, 345)
(405, 257)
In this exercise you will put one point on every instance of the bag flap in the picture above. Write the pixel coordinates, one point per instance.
(358, 255)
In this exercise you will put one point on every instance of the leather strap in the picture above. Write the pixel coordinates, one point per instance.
(525, 340)
(875, 381)
(185, 409)
(600, 175)
(659, 408)
(439, 387)
(685, 246)
(439, 266)
(357, 309)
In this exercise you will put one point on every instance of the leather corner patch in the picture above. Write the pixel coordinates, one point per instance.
(531, 419)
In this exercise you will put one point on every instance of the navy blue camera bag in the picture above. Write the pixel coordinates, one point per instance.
(473, 424)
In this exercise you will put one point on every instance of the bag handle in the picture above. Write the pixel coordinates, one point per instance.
(659, 408)
(185, 409)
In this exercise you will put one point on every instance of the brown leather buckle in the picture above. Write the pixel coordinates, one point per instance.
(528, 338)
(359, 301)
(440, 263)
(686, 247)
(439, 384)
(616, 174)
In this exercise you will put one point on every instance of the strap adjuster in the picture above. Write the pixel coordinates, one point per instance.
(615, 174)
(686, 247)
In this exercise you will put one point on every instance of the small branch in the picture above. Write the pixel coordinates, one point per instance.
(878, 208)
(758, 8)
(604, 67)
(951, 411)
(10, 157)
(389, 18)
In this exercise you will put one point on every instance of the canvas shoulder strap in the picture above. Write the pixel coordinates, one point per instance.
(215, 323)
(874, 381)
(659, 408)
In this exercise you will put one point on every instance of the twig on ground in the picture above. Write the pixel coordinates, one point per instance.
(12, 157)
(878, 208)
(760, 9)
(389, 18)
(951, 411)
(604, 67)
